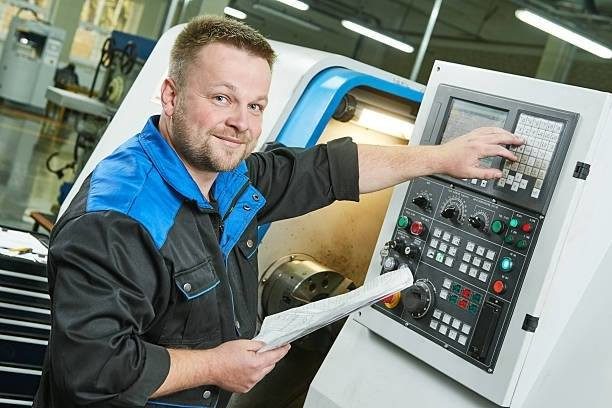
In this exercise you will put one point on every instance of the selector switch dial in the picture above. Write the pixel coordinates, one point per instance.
(453, 209)
(477, 222)
(451, 213)
(421, 201)
(419, 298)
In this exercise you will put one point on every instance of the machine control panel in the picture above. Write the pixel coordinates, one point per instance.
(469, 242)
(469, 255)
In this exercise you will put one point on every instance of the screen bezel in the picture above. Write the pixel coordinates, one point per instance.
(435, 125)
(496, 162)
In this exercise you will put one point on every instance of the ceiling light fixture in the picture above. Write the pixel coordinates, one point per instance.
(230, 11)
(286, 16)
(563, 33)
(295, 4)
(377, 36)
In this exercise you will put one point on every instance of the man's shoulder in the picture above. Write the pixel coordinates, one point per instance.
(127, 182)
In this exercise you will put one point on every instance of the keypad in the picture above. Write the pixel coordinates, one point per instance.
(450, 326)
(460, 296)
(446, 245)
(528, 173)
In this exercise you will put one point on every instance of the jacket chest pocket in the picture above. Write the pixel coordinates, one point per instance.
(195, 318)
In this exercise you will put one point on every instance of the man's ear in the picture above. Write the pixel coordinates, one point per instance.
(169, 96)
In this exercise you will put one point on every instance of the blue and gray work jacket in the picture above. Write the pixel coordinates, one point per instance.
(142, 262)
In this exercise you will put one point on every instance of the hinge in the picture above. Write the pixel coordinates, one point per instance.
(530, 323)
(581, 170)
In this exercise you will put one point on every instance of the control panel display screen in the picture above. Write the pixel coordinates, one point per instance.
(466, 116)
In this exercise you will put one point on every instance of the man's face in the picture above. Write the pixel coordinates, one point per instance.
(218, 115)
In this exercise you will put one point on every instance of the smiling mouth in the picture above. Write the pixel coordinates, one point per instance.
(230, 141)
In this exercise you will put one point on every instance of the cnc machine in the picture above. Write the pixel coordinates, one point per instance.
(510, 297)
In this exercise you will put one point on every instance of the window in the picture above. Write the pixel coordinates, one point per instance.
(9, 8)
(98, 19)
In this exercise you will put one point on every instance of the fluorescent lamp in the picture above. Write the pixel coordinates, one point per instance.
(285, 16)
(295, 4)
(377, 36)
(383, 123)
(563, 33)
(230, 11)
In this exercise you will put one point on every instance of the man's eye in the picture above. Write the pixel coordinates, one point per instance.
(256, 107)
(220, 98)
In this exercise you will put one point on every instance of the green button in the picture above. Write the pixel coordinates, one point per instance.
(514, 223)
(505, 264)
(403, 221)
(473, 308)
(509, 239)
(456, 287)
(476, 297)
(497, 226)
(440, 257)
(453, 299)
(522, 244)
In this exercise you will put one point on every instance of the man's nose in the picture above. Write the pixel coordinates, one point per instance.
(238, 119)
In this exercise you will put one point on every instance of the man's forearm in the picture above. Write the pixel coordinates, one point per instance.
(188, 369)
(385, 166)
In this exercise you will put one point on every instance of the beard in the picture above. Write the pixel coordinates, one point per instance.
(199, 149)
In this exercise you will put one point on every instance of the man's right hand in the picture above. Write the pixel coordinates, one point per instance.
(237, 366)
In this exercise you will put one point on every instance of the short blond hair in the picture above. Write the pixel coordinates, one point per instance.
(204, 30)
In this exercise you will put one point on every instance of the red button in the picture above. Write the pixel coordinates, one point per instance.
(392, 300)
(462, 303)
(499, 287)
(466, 293)
(417, 228)
(527, 227)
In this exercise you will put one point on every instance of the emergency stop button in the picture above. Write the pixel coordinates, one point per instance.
(392, 300)
(499, 287)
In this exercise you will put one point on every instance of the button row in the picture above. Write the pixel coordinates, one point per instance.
(480, 250)
(539, 123)
(450, 326)
(474, 272)
(443, 247)
(440, 257)
(453, 296)
(447, 236)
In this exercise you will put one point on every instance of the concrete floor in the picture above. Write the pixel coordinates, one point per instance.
(26, 141)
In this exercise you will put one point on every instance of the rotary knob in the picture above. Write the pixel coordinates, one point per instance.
(451, 213)
(419, 298)
(421, 201)
(477, 222)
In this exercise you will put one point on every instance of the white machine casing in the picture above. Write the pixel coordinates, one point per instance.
(293, 70)
(565, 361)
(26, 73)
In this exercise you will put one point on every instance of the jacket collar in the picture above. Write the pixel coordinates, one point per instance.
(173, 171)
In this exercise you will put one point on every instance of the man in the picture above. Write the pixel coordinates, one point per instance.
(153, 268)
